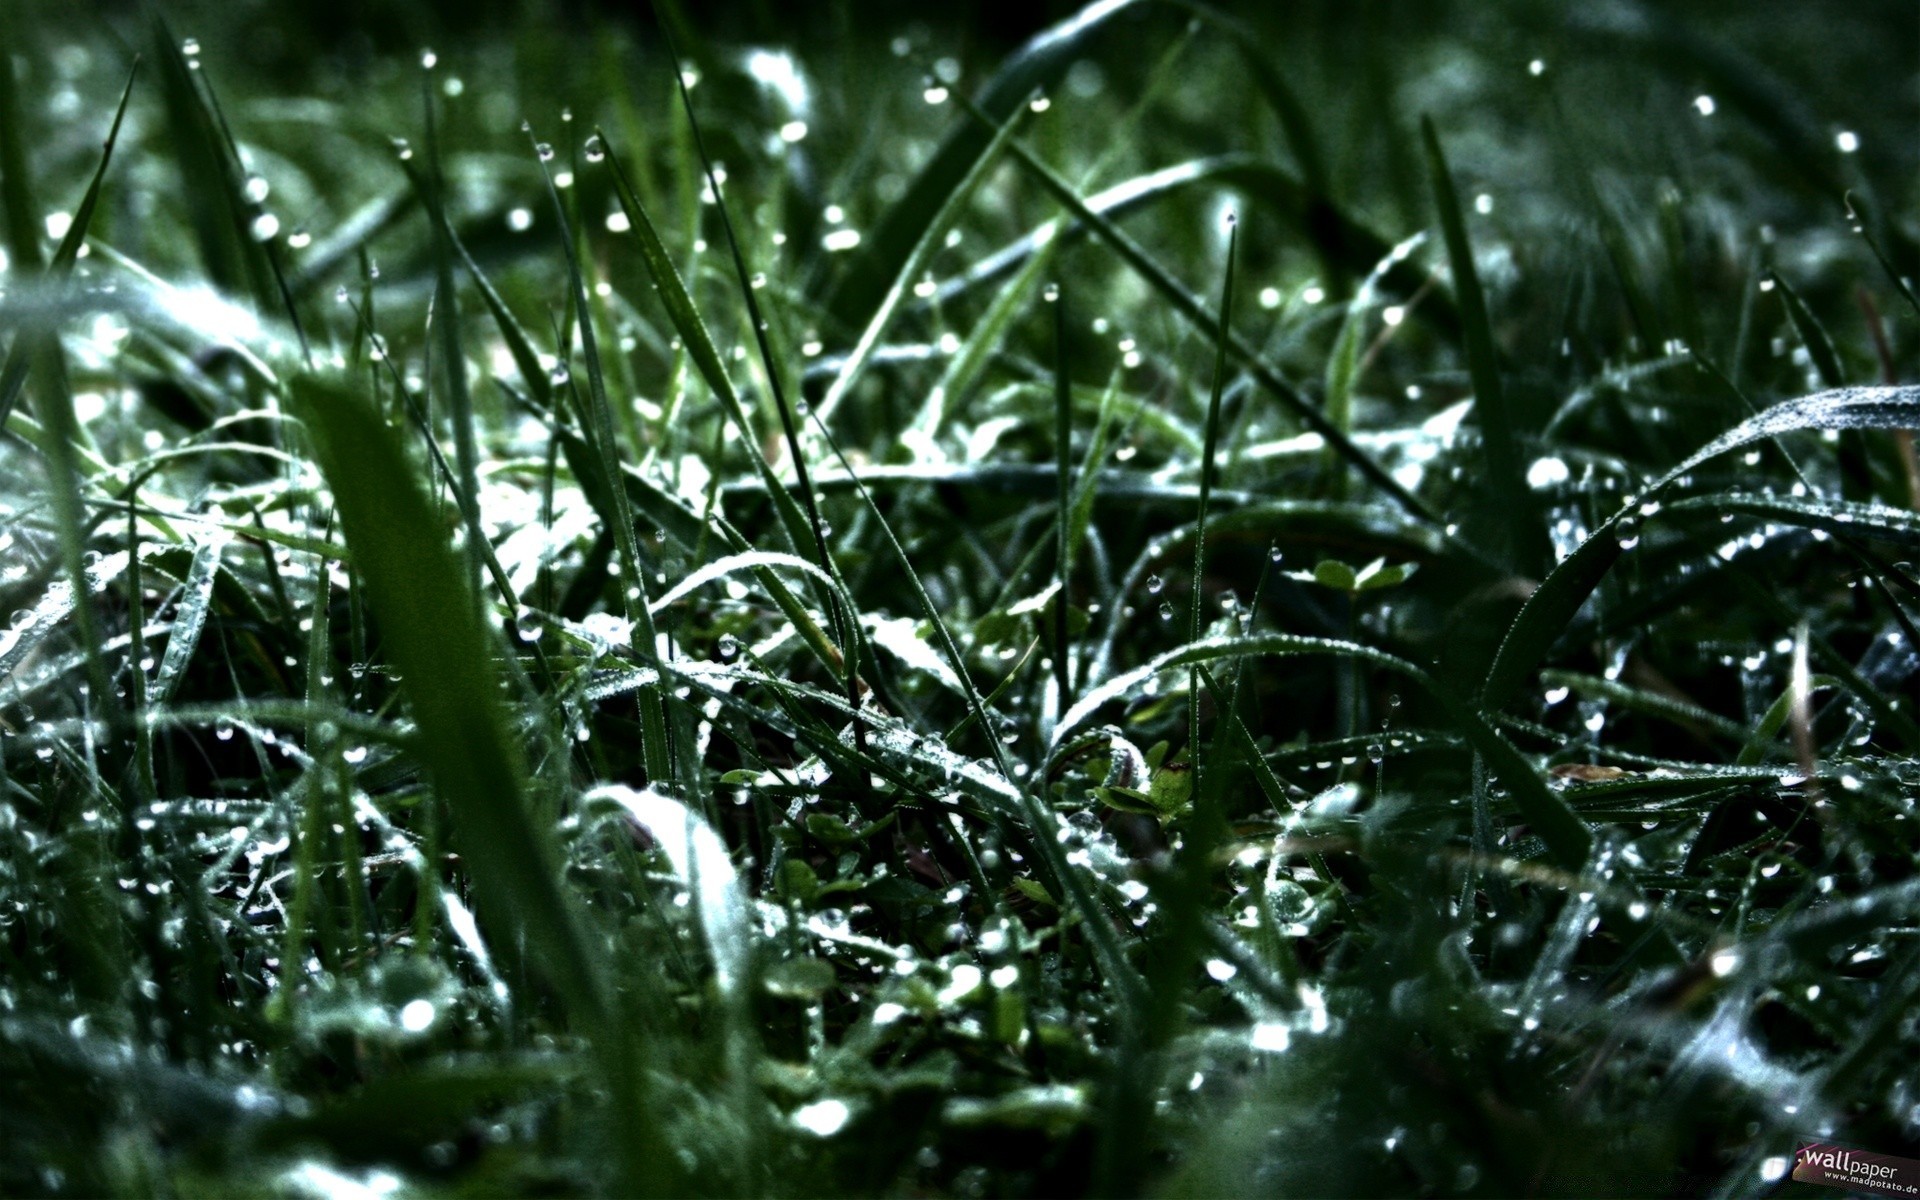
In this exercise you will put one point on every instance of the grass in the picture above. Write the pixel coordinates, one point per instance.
(1320, 604)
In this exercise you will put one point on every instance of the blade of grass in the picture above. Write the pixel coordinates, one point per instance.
(1552, 606)
(1524, 538)
(453, 360)
(633, 589)
(1041, 62)
(1191, 307)
(698, 344)
(18, 196)
(432, 634)
(915, 265)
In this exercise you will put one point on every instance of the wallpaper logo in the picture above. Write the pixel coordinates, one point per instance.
(1856, 1170)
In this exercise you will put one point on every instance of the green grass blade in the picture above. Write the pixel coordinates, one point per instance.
(14, 374)
(432, 633)
(1195, 311)
(1040, 63)
(189, 617)
(16, 182)
(692, 329)
(1524, 539)
(1813, 335)
(924, 248)
(600, 435)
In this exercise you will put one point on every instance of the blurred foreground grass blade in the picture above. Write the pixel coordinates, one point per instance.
(16, 182)
(1038, 64)
(1524, 539)
(1553, 605)
(432, 632)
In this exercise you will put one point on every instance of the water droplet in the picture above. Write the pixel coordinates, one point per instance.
(1847, 141)
(1050, 293)
(1376, 753)
(1166, 610)
(1704, 105)
(264, 227)
(1537, 67)
(759, 280)
(428, 59)
(544, 150)
(935, 94)
(596, 148)
(190, 46)
(561, 375)
(257, 188)
(1155, 585)
(340, 294)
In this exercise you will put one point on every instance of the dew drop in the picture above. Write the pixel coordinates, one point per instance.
(596, 148)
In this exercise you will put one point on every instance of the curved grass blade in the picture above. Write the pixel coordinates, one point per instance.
(1843, 518)
(1565, 834)
(1550, 609)
(190, 616)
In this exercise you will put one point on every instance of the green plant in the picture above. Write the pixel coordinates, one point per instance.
(788, 628)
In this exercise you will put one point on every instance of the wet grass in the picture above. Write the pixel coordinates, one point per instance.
(1321, 605)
